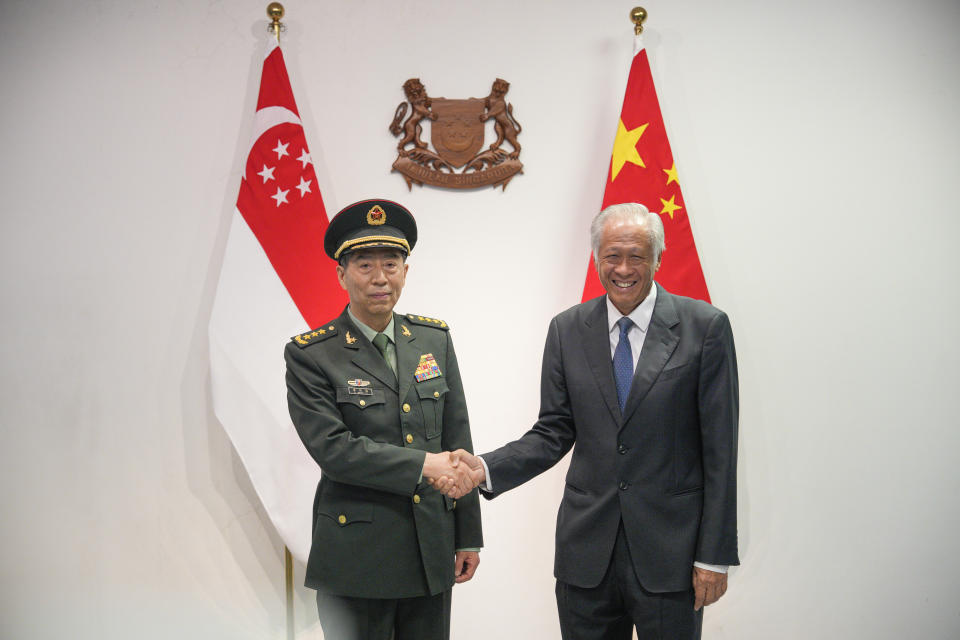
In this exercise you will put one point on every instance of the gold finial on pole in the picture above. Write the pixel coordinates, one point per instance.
(637, 16)
(275, 12)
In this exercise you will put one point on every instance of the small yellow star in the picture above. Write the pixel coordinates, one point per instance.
(671, 174)
(669, 206)
(625, 149)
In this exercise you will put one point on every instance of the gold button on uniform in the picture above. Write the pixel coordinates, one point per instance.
(416, 499)
(409, 439)
(454, 504)
(406, 408)
(436, 394)
(342, 519)
(363, 403)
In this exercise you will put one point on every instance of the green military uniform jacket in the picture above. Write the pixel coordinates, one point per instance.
(378, 531)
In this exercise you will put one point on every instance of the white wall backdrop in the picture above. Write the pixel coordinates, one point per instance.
(817, 146)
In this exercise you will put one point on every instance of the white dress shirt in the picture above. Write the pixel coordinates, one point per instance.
(640, 316)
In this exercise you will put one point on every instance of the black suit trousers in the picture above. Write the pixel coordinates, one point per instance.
(610, 610)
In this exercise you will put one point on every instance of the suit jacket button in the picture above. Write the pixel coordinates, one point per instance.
(621, 449)
(406, 408)
(623, 485)
(342, 519)
(416, 499)
(409, 438)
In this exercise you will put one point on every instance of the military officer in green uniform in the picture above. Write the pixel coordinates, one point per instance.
(377, 399)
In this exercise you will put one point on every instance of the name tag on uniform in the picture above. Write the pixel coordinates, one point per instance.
(427, 368)
(359, 391)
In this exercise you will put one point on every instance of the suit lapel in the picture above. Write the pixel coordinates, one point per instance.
(365, 355)
(408, 356)
(596, 347)
(658, 346)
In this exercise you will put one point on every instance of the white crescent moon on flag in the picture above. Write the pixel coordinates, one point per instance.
(269, 117)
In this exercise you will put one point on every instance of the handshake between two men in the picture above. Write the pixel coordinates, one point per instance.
(454, 473)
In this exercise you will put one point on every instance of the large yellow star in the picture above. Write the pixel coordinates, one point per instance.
(625, 149)
(671, 174)
(669, 206)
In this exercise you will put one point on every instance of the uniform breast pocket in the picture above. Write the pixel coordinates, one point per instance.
(360, 397)
(432, 393)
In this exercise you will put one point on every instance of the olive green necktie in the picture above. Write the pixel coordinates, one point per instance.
(380, 342)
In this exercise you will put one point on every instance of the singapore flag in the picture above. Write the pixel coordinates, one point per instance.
(276, 282)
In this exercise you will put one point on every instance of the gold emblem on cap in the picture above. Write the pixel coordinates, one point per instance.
(376, 215)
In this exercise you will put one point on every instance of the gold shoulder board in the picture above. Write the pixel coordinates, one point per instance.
(428, 322)
(312, 337)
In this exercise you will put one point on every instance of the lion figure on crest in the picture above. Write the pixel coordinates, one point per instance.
(505, 125)
(420, 109)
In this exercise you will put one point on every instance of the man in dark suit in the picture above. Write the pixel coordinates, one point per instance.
(376, 397)
(645, 383)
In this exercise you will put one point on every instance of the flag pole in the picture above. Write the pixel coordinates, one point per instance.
(638, 15)
(288, 570)
(275, 12)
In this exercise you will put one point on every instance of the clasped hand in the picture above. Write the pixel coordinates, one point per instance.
(455, 473)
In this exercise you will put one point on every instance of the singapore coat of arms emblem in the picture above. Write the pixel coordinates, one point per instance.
(457, 133)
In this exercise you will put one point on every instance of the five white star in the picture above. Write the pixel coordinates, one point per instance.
(267, 173)
(280, 196)
(304, 186)
(281, 149)
(305, 158)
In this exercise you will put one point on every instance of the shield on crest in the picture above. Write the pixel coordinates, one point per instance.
(457, 133)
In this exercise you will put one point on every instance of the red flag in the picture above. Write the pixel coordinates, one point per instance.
(275, 282)
(642, 170)
(281, 202)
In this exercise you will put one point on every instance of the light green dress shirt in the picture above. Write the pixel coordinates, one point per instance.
(391, 354)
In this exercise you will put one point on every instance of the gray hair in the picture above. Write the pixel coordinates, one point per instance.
(628, 212)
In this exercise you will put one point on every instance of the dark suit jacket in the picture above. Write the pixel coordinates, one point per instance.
(377, 533)
(666, 467)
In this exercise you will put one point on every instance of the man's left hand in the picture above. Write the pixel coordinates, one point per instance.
(465, 565)
(708, 587)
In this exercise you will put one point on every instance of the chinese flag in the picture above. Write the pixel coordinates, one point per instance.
(642, 170)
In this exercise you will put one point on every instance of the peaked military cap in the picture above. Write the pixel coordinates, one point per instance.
(370, 223)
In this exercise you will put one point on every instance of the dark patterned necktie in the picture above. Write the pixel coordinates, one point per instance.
(623, 362)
